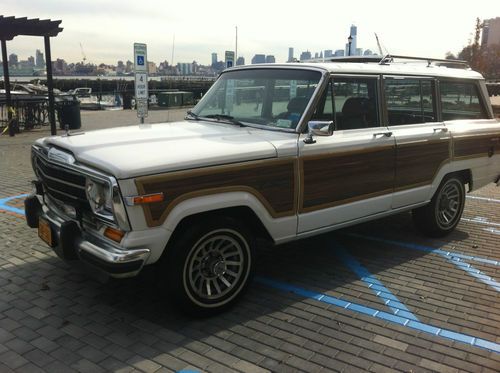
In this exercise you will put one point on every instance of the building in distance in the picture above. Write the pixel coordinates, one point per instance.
(259, 58)
(491, 32)
(270, 59)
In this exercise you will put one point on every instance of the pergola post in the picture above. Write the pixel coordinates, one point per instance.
(50, 86)
(6, 81)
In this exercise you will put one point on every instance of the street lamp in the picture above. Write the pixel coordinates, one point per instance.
(349, 39)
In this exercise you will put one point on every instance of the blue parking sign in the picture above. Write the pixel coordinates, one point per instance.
(140, 60)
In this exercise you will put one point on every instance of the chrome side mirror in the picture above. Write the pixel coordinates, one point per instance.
(318, 128)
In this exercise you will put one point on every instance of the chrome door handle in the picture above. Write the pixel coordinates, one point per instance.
(442, 129)
(386, 134)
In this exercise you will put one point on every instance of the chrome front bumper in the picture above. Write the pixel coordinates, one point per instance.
(70, 242)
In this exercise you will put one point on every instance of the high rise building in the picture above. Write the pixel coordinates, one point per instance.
(491, 32)
(305, 56)
(259, 58)
(290, 54)
(13, 60)
(339, 53)
(328, 53)
(270, 59)
(31, 61)
(39, 60)
(214, 59)
(240, 61)
(354, 43)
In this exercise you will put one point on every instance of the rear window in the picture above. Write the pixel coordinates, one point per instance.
(461, 100)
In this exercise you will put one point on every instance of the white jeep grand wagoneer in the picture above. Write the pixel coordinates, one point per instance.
(280, 151)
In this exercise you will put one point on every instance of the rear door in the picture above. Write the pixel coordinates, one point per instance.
(422, 140)
(350, 174)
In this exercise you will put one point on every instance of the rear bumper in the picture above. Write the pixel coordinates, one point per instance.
(71, 243)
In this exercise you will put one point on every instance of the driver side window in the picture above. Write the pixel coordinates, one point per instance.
(350, 102)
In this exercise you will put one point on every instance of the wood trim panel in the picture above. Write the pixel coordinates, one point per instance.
(333, 179)
(473, 146)
(417, 163)
(273, 182)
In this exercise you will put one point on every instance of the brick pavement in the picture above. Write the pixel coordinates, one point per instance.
(56, 317)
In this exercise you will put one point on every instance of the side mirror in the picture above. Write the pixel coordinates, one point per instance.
(318, 128)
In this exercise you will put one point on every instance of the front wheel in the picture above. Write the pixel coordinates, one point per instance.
(443, 213)
(209, 265)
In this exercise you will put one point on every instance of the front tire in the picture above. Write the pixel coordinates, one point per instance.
(443, 213)
(209, 265)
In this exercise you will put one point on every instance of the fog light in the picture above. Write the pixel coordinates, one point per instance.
(114, 234)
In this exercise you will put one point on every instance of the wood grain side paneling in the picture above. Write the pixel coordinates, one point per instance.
(418, 162)
(273, 182)
(338, 178)
(472, 146)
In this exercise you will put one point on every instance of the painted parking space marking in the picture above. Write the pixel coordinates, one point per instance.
(4, 206)
(484, 199)
(404, 321)
(492, 230)
(428, 249)
(459, 260)
(481, 220)
(374, 284)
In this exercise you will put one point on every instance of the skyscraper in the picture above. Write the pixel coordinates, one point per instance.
(290, 54)
(259, 58)
(491, 32)
(240, 61)
(39, 60)
(354, 43)
(214, 59)
(270, 59)
(305, 56)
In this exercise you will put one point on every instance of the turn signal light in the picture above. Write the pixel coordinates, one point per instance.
(148, 198)
(114, 234)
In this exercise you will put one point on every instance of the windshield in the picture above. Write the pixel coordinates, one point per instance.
(269, 97)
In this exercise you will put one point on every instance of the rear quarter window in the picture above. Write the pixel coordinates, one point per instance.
(461, 100)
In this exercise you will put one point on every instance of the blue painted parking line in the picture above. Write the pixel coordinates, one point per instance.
(428, 249)
(481, 220)
(484, 199)
(5, 207)
(412, 324)
(455, 258)
(374, 284)
(492, 230)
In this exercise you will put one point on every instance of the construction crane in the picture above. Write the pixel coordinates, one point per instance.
(83, 53)
(378, 45)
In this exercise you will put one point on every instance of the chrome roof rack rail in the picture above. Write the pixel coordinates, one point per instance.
(389, 58)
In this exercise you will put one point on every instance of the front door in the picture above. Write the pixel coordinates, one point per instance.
(422, 141)
(350, 174)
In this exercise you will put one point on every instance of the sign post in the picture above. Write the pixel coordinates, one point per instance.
(141, 80)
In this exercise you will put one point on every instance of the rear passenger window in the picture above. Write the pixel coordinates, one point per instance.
(461, 100)
(409, 101)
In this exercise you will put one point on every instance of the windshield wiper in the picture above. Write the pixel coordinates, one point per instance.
(191, 115)
(225, 117)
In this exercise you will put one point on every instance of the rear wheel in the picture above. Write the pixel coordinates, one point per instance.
(209, 265)
(443, 213)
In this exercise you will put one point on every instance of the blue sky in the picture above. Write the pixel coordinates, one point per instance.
(108, 29)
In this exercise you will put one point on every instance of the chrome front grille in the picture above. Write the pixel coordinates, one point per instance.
(61, 183)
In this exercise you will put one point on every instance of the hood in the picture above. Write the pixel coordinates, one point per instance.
(132, 151)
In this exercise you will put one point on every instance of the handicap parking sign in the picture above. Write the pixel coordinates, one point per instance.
(140, 60)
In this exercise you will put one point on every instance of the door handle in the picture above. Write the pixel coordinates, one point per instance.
(442, 129)
(386, 134)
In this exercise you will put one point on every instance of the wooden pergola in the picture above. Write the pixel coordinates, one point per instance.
(10, 27)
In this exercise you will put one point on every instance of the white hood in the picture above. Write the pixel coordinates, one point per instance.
(132, 151)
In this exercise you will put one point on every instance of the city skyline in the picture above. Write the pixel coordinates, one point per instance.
(205, 28)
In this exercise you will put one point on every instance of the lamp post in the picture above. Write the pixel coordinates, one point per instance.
(349, 39)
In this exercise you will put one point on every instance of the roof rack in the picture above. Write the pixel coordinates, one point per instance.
(389, 58)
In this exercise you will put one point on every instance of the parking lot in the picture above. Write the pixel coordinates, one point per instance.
(375, 297)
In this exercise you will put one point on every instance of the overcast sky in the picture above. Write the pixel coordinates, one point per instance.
(107, 29)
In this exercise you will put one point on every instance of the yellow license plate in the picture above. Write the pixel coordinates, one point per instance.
(44, 231)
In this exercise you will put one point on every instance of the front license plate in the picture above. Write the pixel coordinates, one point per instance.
(44, 231)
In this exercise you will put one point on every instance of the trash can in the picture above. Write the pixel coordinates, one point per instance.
(69, 114)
